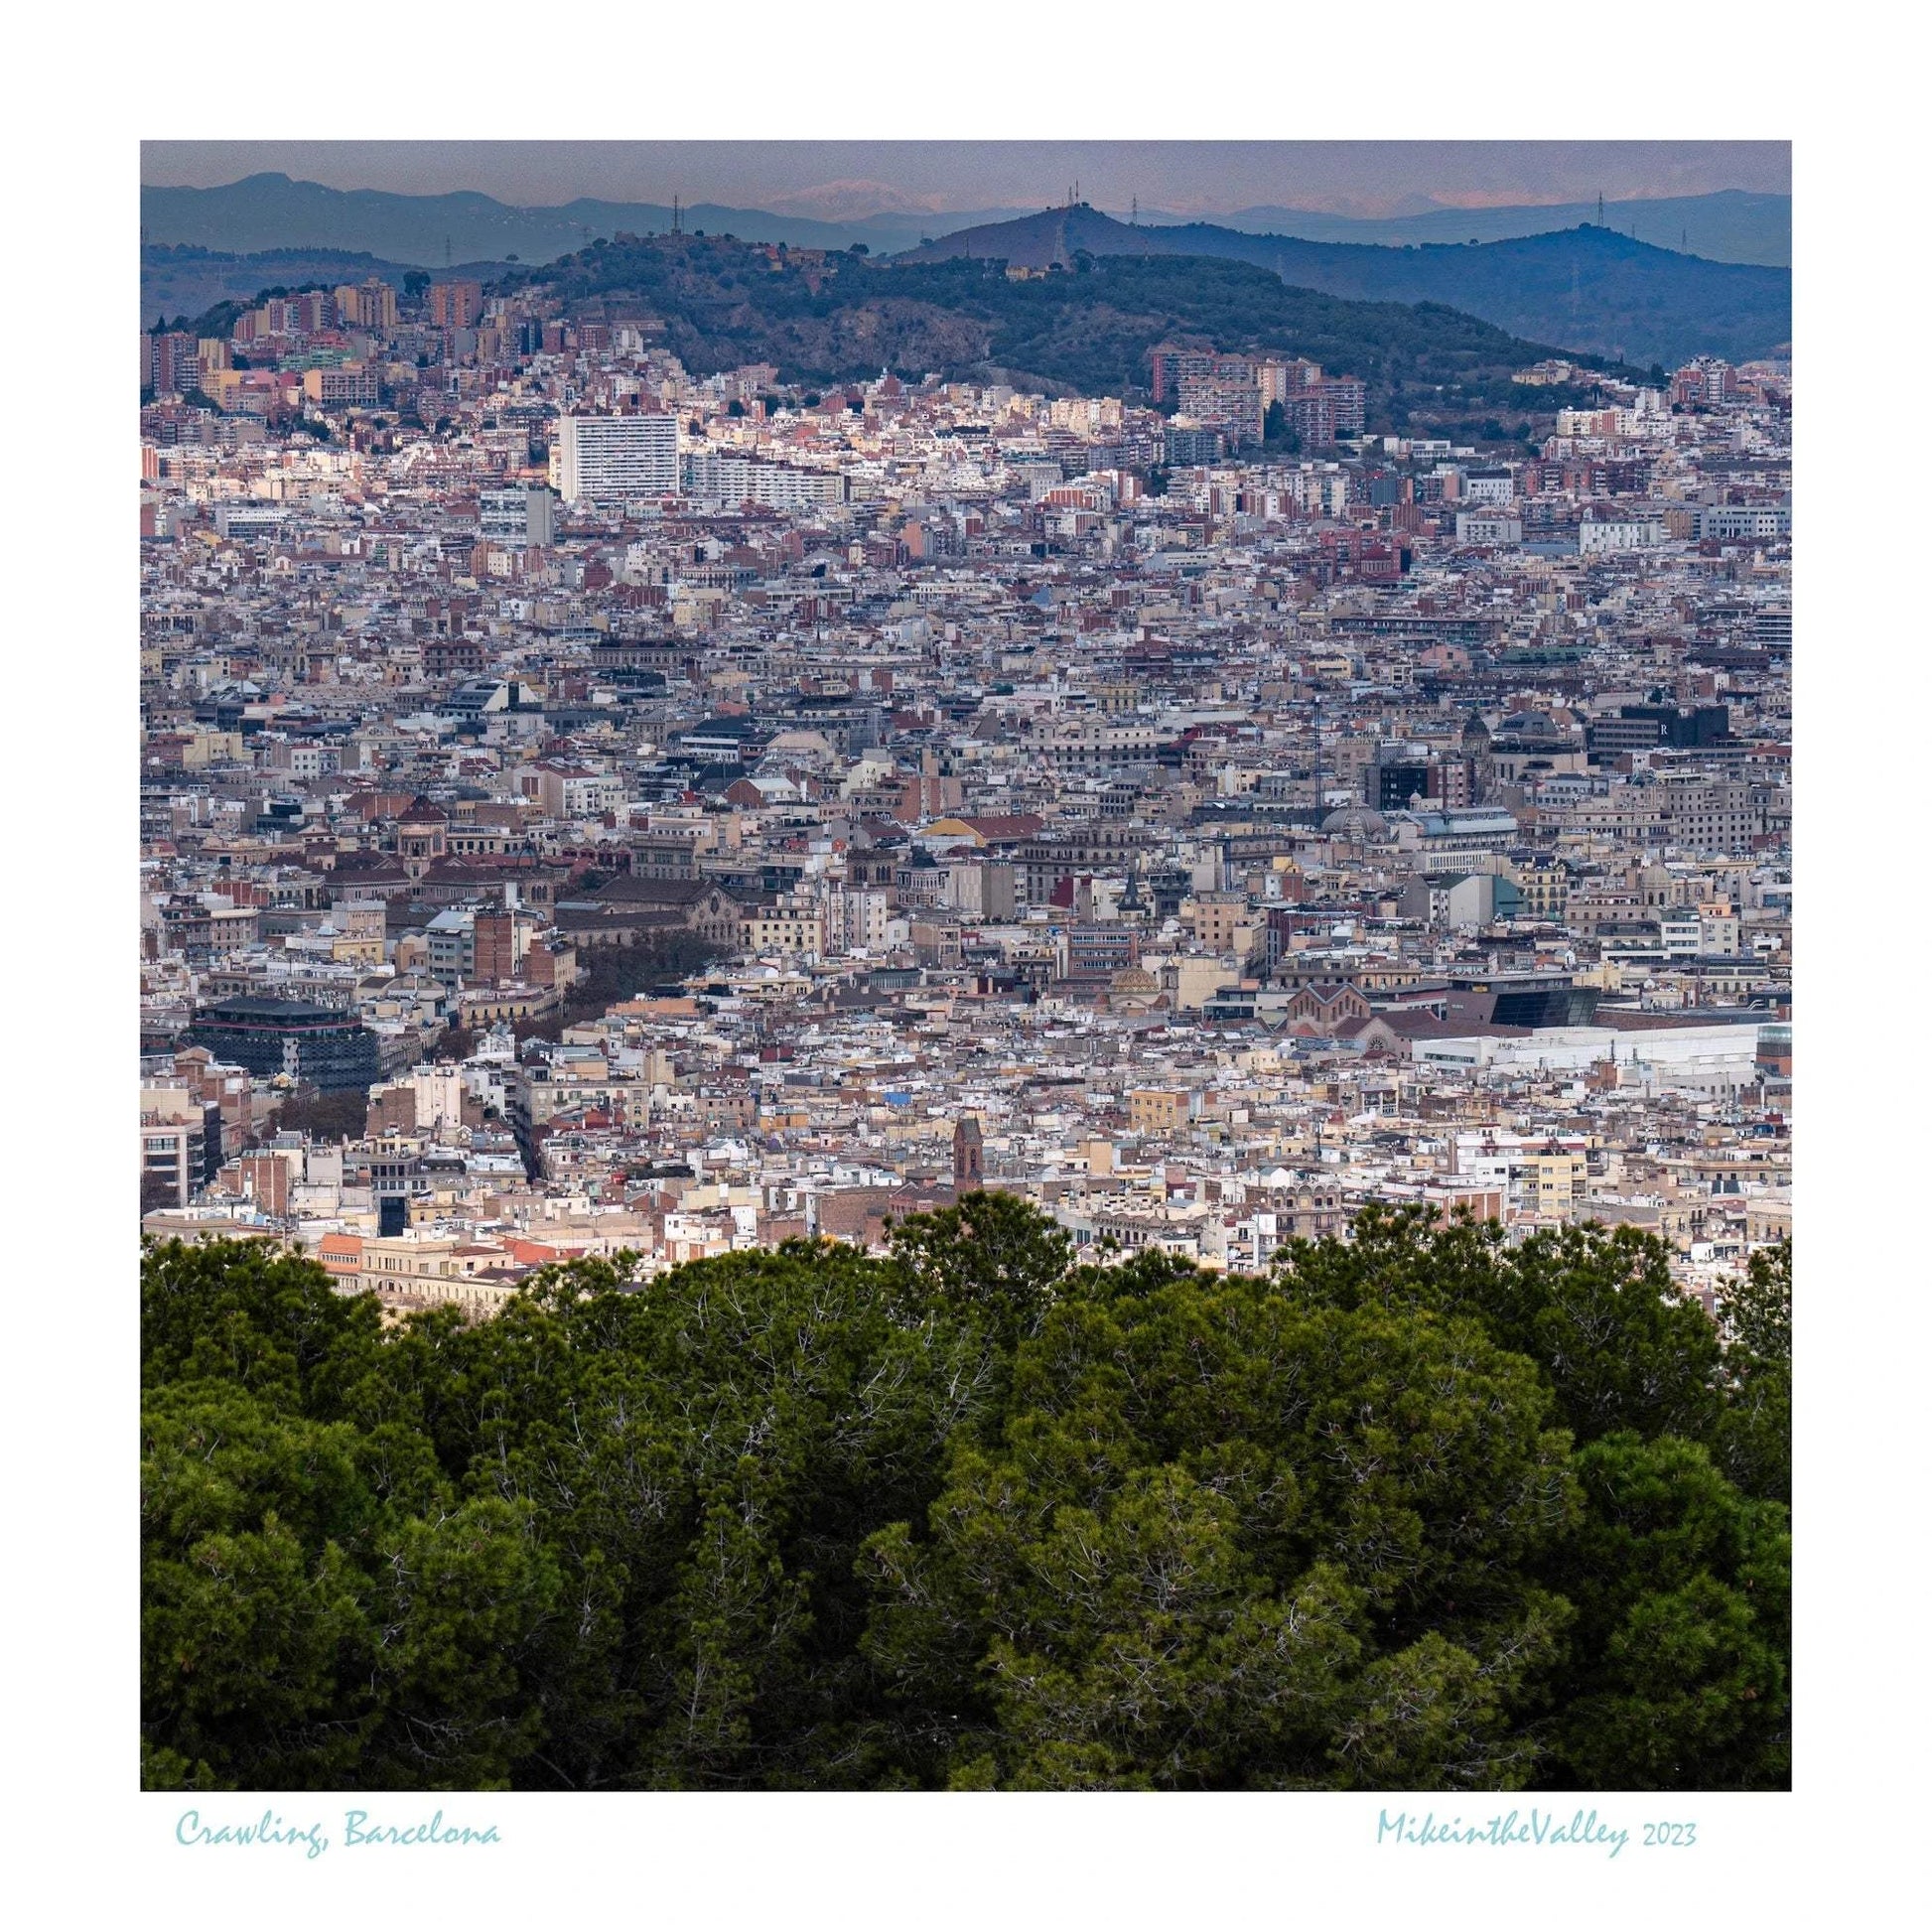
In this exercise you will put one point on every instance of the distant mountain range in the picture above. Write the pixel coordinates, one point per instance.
(1589, 288)
(435, 230)
(1732, 225)
(271, 211)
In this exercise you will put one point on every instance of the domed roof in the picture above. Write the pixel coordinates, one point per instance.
(1355, 822)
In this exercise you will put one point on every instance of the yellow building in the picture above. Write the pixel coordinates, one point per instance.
(1545, 890)
(1551, 1182)
(211, 748)
(357, 950)
(1221, 923)
(1158, 1109)
(773, 930)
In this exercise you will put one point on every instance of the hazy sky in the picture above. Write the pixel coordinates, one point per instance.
(844, 178)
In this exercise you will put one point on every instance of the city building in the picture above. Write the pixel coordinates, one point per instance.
(614, 459)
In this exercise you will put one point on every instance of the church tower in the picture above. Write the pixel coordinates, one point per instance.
(968, 1176)
(1479, 760)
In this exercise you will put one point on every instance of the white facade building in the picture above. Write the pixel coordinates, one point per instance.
(615, 458)
(1600, 537)
(1713, 1062)
(718, 477)
(1477, 526)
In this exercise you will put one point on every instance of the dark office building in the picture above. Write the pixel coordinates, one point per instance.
(1519, 1000)
(1685, 731)
(1396, 784)
(331, 1049)
(1609, 737)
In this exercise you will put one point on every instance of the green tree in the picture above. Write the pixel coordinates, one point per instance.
(1752, 1439)
(1270, 1503)
(1595, 1307)
(244, 1315)
(1277, 433)
(1420, 1509)
(992, 1253)
(1682, 1586)
(309, 1618)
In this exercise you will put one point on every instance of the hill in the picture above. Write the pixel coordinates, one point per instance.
(1732, 225)
(830, 318)
(190, 281)
(1595, 291)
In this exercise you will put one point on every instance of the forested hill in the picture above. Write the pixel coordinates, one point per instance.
(1587, 287)
(822, 317)
(1419, 1511)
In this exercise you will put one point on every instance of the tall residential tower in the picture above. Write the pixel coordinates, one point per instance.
(615, 458)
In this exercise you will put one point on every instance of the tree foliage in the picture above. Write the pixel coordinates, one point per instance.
(611, 974)
(839, 317)
(1418, 1510)
(342, 1116)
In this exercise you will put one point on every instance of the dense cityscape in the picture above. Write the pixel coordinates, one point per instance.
(594, 807)
(1014, 1015)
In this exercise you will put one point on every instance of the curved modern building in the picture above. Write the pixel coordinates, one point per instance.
(328, 1049)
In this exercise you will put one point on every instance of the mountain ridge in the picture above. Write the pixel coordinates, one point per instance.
(1732, 225)
(273, 210)
(1588, 287)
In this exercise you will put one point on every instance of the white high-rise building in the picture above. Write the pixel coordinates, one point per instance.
(615, 458)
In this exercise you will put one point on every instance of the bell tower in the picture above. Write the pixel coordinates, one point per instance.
(968, 1176)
